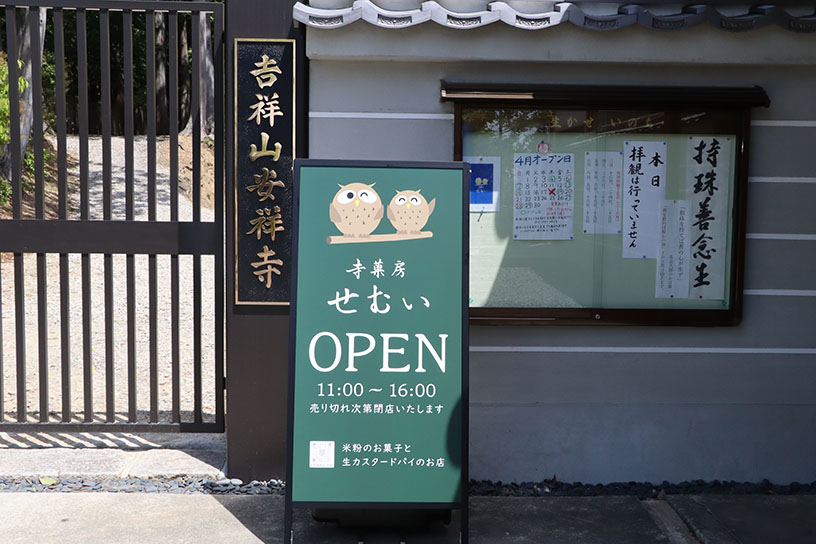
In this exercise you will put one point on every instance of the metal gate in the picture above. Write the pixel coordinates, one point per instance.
(111, 273)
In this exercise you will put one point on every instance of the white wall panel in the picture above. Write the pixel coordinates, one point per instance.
(745, 413)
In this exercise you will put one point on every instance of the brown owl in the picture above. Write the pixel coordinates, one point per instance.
(409, 211)
(356, 210)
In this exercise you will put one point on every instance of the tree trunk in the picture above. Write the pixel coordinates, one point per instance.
(162, 97)
(206, 79)
(206, 69)
(184, 69)
(24, 33)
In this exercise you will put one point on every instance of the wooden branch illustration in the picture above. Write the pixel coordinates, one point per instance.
(378, 238)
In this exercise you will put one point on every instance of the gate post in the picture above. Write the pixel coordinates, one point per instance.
(257, 337)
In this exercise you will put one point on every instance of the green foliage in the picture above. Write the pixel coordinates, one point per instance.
(28, 166)
(5, 192)
(22, 84)
(49, 89)
(5, 186)
(4, 101)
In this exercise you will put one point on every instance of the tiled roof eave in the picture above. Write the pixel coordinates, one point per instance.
(626, 15)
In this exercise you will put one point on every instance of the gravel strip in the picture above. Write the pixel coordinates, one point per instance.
(174, 485)
(642, 490)
(484, 488)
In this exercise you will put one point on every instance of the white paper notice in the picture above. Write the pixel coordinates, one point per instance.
(602, 192)
(644, 190)
(708, 175)
(672, 280)
(543, 196)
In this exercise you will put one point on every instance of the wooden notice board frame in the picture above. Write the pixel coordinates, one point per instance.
(446, 427)
(727, 111)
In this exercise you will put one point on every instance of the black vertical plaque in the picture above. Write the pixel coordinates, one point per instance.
(264, 82)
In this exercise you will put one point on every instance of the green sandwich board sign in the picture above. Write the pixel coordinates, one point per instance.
(378, 344)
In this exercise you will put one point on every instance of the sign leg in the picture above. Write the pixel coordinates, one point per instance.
(463, 522)
(288, 532)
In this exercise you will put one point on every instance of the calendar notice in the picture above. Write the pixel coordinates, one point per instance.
(543, 196)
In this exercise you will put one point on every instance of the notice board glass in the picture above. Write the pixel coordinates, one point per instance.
(632, 214)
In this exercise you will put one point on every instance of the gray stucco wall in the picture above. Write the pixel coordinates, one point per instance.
(627, 403)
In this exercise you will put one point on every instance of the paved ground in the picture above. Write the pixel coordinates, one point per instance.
(143, 518)
(202, 519)
(111, 455)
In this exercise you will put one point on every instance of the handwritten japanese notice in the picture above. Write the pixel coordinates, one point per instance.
(543, 196)
(672, 279)
(379, 344)
(644, 190)
(264, 155)
(602, 192)
(708, 175)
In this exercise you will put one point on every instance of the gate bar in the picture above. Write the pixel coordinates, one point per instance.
(127, 52)
(39, 203)
(218, 182)
(174, 186)
(105, 92)
(195, 22)
(82, 70)
(140, 237)
(17, 204)
(2, 372)
(62, 187)
(151, 209)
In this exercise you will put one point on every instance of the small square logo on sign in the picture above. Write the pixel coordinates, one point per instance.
(321, 454)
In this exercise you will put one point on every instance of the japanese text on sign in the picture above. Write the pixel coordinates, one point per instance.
(672, 279)
(709, 169)
(377, 358)
(543, 196)
(602, 192)
(643, 194)
(264, 101)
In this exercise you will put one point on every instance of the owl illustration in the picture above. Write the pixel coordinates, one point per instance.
(409, 211)
(356, 210)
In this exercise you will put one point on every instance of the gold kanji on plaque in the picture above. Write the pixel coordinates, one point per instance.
(265, 183)
(254, 153)
(269, 266)
(265, 74)
(266, 223)
(267, 107)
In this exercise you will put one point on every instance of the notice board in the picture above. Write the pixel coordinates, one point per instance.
(605, 210)
(378, 347)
